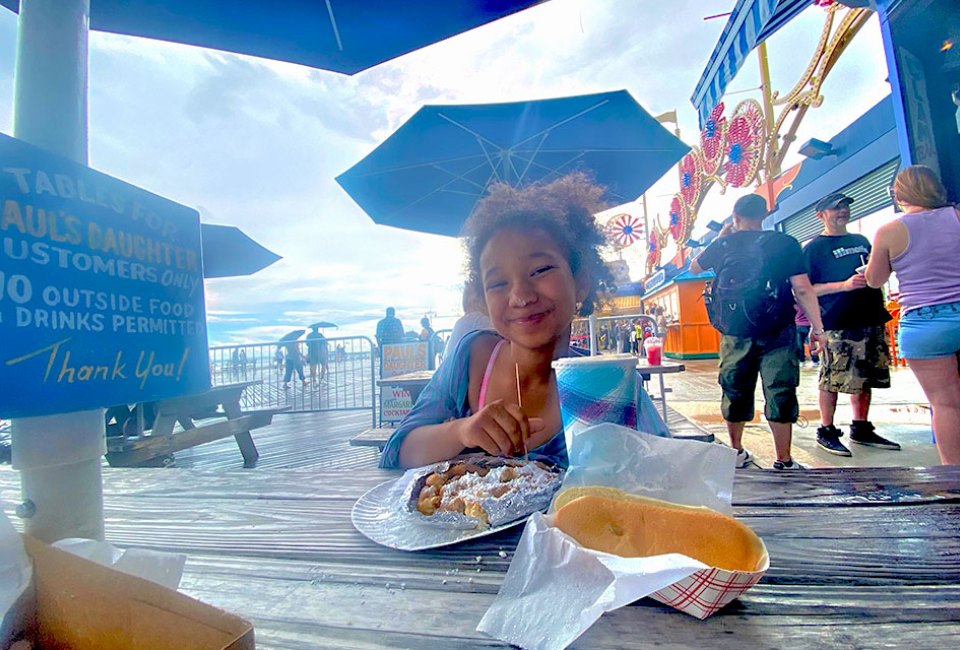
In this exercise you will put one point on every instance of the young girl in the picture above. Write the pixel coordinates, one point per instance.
(533, 256)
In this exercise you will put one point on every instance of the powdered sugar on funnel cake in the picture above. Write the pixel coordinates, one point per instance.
(484, 491)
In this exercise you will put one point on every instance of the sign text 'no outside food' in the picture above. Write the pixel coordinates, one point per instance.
(101, 289)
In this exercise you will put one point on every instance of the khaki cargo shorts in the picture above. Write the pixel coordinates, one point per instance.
(771, 358)
(855, 360)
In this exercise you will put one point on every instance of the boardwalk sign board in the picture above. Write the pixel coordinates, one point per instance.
(101, 289)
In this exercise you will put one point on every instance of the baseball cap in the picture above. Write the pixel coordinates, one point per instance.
(751, 206)
(832, 201)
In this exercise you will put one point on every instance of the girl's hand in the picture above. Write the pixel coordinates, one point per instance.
(498, 428)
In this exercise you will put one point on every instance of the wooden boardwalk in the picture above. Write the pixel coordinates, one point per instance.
(321, 440)
(293, 440)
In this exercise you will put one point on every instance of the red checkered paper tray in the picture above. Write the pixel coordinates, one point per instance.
(556, 589)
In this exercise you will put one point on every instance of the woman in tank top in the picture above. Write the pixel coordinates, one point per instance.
(922, 248)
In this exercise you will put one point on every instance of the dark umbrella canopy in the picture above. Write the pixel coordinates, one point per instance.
(292, 336)
(429, 173)
(229, 252)
(321, 324)
(340, 35)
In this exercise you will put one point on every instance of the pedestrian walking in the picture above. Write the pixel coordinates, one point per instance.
(317, 353)
(758, 275)
(293, 363)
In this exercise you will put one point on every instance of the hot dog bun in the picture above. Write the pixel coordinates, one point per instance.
(612, 521)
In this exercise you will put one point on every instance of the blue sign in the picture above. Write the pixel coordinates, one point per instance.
(101, 289)
(655, 281)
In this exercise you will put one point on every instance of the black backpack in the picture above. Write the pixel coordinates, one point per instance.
(742, 300)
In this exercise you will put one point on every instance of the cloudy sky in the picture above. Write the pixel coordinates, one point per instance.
(257, 143)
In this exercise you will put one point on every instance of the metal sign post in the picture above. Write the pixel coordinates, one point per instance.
(101, 288)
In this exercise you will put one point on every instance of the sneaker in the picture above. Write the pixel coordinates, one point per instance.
(787, 465)
(744, 458)
(828, 439)
(863, 433)
(286, 385)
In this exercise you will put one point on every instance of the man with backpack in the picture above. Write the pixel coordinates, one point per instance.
(750, 301)
(856, 357)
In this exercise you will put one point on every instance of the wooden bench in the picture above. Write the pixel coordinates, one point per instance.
(376, 437)
(154, 446)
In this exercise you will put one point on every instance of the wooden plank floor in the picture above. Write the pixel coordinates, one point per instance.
(292, 440)
(321, 440)
(867, 554)
(861, 557)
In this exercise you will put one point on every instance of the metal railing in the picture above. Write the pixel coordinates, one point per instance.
(348, 383)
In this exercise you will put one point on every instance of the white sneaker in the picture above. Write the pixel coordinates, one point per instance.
(744, 458)
(785, 467)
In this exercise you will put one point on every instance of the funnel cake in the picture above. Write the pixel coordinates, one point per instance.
(489, 490)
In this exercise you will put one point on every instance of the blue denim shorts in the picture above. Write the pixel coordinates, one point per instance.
(930, 332)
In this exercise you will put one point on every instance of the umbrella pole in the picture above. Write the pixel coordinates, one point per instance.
(58, 455)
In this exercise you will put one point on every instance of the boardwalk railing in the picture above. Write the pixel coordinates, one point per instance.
(348, 384)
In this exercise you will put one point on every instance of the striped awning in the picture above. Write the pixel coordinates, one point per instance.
(750, 23)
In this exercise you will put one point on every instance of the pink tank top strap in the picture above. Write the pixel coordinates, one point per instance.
(482, 399)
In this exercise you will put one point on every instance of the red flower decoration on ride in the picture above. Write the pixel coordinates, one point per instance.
(711, 139)
(653, 250)
(678, 224)
(690, 178)
(625, 230)
(744, 145)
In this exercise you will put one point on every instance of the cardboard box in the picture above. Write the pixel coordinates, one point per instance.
(76, 604)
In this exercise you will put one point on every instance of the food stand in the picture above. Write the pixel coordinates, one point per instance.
(689, 333)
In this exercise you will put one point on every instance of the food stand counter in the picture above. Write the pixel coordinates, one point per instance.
(689, 333)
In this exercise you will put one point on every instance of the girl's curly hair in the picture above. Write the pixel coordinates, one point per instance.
(563, 209)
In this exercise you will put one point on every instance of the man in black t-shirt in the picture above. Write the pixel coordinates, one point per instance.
(856, 359)
(772, 355)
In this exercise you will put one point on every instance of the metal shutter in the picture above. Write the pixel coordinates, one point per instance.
(871, 195)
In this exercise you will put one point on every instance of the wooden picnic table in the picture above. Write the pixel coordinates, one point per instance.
(161, 440)
(860, 557)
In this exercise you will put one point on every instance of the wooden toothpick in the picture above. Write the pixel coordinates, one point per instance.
(520, 404)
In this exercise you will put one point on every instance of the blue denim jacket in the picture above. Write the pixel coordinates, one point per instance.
(445, 398)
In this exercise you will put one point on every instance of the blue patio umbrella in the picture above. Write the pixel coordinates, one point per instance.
(340, 35)
(429, 174)
(229, 252)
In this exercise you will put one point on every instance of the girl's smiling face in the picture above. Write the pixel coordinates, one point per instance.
(531, 293)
